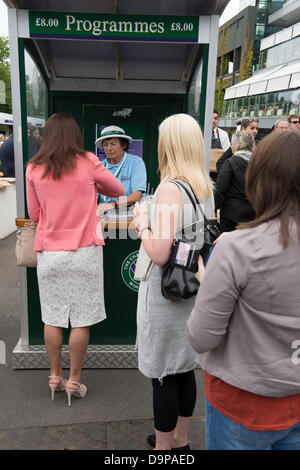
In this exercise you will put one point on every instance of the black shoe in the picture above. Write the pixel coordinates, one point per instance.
(179, 449)
(151, 439)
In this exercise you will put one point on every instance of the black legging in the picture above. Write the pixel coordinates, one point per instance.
(175, 397)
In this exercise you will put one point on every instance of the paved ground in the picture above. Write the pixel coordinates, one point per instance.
(115, 415)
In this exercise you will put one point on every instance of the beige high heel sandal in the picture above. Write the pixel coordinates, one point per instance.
(59, 387)
(77, 392)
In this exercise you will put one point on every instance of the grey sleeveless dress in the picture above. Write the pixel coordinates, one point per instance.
(163, 347)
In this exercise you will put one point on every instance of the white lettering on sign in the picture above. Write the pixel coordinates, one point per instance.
(98, 27)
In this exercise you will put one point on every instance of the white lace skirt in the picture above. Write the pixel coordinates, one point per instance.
(71, 287)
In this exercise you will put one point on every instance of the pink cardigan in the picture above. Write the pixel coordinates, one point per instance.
(65, 209)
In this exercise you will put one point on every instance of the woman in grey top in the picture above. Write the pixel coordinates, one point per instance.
(246, 319)
(164, 352)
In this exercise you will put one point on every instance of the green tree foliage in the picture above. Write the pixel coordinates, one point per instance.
(222, 69)
(247, 59)
(5, 87)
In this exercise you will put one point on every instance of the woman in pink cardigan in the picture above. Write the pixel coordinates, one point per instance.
(61, 184)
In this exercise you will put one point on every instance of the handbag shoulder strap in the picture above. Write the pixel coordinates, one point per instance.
(194, 200)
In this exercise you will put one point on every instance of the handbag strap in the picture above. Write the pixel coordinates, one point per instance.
(178, 182)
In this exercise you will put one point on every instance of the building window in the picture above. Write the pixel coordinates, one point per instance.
(260, 31)
(281, 53)
(281, 103)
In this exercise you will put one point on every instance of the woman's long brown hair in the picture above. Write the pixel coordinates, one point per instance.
(61, 143)
(273, 182)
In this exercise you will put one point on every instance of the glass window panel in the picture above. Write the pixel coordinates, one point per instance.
(195, 92)
(270, 104)
(225, 108)
(246, 107)
(230, 108)
(263, 59)
(280, 54)
(276, 104)
(296, 49)
(290, 52)
(234, 111)
(293, 107)
(283, 103)
(36, 102)
(253, 109)
(260, 31)
(262, 4)
(271, 57)
(274, 5)
(295, 80)
(239, 107)
(262, 105)
(261, 16)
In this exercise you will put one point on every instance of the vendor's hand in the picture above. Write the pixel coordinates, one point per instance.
(140, 216)
(201, 270)
(104, 206)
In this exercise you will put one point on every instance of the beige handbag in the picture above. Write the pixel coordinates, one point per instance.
(26, 256)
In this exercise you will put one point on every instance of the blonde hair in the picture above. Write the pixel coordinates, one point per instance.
(242, 140)
(181, 153)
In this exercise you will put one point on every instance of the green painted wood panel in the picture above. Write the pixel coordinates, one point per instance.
(148, 111)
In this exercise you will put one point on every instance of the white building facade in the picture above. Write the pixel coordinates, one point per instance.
(273, 92)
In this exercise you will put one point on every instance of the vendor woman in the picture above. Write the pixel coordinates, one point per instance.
(129, 169)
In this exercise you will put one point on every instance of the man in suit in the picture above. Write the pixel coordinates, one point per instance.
(219, 138)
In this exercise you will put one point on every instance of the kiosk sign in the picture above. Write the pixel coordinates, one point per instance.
(113, 27)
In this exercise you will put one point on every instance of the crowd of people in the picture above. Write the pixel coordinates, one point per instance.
(241, 327)
(230, 193)
(7, 154)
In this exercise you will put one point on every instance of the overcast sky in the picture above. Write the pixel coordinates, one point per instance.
(3, 19)
(231, 10)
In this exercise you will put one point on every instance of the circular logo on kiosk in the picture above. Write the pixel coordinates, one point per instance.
(128, 270)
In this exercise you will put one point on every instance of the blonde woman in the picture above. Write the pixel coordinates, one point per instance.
(164, 354)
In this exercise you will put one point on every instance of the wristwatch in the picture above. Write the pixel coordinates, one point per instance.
(140, 232)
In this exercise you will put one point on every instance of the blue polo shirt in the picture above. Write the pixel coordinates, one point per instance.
(133, 175)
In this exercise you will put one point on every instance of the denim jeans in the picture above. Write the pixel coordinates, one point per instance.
(222, 433)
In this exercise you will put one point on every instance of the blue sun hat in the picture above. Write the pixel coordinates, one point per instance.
(112, 131)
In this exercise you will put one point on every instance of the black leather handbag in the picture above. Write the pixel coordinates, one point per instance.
(178, 278)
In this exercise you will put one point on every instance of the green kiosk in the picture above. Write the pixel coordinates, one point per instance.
(129, 64)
